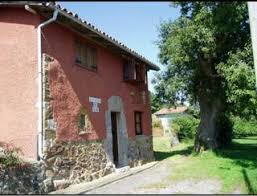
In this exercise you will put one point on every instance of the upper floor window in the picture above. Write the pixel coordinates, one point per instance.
(133, 71)
(86, 56)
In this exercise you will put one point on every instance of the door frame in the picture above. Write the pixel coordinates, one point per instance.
(115, 104)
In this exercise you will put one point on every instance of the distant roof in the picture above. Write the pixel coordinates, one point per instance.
(71, 20)
(179, 109)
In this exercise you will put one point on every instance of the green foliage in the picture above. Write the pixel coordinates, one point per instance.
(155, 103)
(9, 156)
(244, 128)
(156, 123)
(185, 127)
(194, 110)
(193, 45)
(239, 75)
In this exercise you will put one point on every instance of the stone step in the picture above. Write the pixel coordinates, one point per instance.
(122, 169)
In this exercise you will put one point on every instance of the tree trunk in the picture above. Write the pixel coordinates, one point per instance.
(214, 128)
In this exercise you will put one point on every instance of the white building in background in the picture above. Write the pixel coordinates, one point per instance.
(167, 115)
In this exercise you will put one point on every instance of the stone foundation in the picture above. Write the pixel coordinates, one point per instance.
(71, 163)
(140, 150)
(74, 162)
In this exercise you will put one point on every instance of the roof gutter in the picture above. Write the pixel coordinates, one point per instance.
(75, 19)
(29, 9)
(41, 134)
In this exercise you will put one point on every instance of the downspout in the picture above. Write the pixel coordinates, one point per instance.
(41, 139)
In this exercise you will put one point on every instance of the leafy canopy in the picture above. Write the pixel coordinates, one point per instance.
(207, 51)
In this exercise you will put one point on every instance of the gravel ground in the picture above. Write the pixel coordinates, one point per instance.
(187, 187)
(132, 183)
(141, 183)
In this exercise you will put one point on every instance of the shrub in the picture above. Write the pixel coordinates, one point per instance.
(185, 127)
(156, 123)
(9, 156)
(243, 128)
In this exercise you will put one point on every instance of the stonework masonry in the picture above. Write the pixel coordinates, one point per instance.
(72, 162)
(140, 150)
(49, 125)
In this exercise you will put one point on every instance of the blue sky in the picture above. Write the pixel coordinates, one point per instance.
(133, 23)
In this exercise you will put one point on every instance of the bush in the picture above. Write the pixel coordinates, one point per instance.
(243, 128)
(156, 123)
(185, 127)
(9, 156)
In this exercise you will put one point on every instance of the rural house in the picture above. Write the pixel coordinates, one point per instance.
(71, 95)
(167, 115)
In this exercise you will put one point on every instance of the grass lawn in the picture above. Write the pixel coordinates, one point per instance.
(235, 167)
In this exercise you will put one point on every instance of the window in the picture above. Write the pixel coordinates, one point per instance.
(138, 123)
(86, 56)
(139, 73)
(82, 123)
(129, 70)
(133, 71)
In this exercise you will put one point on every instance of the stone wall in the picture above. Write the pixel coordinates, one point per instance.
(70, 163)
(140, 150)
(49, 125)
(74, 162)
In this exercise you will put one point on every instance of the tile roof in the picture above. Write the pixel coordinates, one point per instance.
(89, 26)
(179, 109)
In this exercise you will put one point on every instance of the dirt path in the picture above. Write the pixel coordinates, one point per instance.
(151, 181)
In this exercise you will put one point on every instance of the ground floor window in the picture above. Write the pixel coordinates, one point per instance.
(138, 123)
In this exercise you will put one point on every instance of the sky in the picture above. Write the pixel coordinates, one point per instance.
(135, 24)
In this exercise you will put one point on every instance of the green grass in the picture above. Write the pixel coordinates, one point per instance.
(235, 167)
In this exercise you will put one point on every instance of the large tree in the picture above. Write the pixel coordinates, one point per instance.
(198, 50)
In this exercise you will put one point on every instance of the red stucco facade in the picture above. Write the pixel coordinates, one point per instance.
(70, 85)
(18, 79)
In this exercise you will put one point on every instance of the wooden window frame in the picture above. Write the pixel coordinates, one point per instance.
(140, 122)
(82, 123)
(139, 73)
(133, 72)
(82, 47)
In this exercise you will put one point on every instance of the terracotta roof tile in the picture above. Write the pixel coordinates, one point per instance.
(54, 5)
(179, 109)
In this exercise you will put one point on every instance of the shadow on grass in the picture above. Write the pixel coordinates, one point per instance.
(248, 182)
(159, 155)
(244, 155)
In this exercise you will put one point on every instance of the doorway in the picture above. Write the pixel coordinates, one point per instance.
(115, 150)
